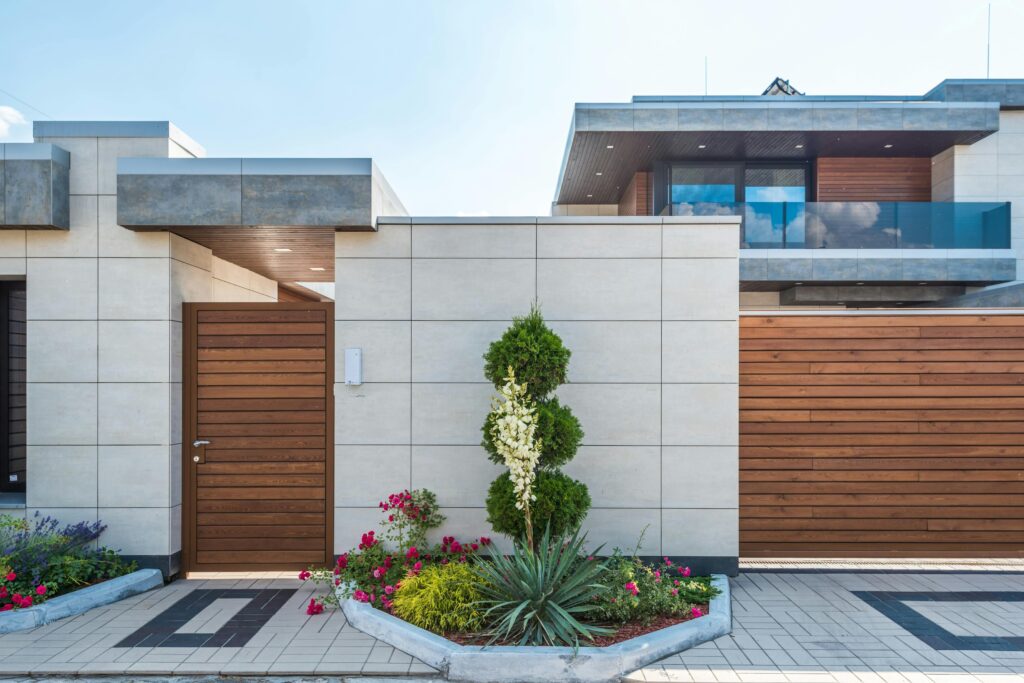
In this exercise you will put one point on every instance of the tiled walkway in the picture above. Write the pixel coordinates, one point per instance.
(788, 626)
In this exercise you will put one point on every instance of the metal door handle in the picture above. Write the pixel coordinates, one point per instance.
(200, 442)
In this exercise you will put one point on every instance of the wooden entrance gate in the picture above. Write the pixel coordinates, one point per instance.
(257, 451)
(882, 435)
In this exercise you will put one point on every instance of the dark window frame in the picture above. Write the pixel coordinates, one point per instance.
(6, 486)
(663, 175)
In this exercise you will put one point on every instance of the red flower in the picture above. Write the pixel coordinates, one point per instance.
(7, 608)
(697, 612)
(11, 576)
(412, 554)
(40, 589)
(485, 541)
(343, 561)
(3, 591)
(304, 575)
(314, 607)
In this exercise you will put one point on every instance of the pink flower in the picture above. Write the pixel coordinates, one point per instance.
(697, 612)
(11, 576)
(417, 567)
(668, 562)
(343, 561)
(389, 589)
(631, 587)
(40, 589)
(485, 541)
(675, 592)
(360, 596)
(6, 608)
(685, 571)
(304, 575)
(412, 554)
(314, 607)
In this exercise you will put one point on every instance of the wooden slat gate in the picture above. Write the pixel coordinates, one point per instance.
(882, 435)
(258, 386)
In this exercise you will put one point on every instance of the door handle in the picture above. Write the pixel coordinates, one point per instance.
(202, 444)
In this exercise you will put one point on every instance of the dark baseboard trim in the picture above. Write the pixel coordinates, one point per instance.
(169, 565)
(894, 570)
(701, 565)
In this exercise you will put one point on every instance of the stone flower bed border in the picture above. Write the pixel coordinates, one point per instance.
(505, 664)
(81, 600)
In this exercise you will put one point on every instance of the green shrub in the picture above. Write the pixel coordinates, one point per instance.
(640, 592)
(442, 598)
(557, 428)
(562, 503)
(540, 598)
(534, 352)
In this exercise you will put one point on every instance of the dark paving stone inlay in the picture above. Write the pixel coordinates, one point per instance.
(892, 604)
(161, 630)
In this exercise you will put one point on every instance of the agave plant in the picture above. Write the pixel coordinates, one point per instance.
(539, 597)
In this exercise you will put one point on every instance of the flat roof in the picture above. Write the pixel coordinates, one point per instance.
(608, 142)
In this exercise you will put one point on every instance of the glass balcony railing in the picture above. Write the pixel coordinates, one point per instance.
(864, 225)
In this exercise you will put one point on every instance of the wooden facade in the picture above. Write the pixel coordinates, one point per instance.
(882, 435)
(258, 386)
(874, 179)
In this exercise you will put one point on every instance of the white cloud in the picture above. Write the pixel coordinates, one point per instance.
(9, 116)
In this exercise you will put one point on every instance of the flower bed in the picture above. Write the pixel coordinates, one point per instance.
(547, 608)
(42, 559)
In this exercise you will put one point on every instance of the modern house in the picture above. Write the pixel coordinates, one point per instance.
(231, 361)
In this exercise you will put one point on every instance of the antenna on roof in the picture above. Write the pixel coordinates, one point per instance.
(988, 43)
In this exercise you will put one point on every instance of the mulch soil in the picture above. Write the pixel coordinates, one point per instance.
(623, 632)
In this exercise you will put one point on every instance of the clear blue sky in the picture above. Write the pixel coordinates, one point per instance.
(465, 105)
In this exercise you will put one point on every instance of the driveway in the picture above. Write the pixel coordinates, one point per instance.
(789, 625)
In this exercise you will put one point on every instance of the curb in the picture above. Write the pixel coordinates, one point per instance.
(81, 600)
(510, 664)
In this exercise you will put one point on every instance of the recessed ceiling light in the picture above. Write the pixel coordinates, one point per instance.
(599, 173)
(799, 146)
(701, 146)
(860, 283)
(281, 250)
(797, 283)
(317, 268)
(889, 146)
(609, 146)
(589, 196)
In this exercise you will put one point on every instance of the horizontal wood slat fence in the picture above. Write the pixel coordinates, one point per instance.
(882, 435)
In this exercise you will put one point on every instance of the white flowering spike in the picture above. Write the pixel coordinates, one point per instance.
(514, 430)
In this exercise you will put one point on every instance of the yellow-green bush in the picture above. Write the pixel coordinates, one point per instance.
(441, 598)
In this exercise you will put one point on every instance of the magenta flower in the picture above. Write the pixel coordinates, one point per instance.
(631, 587)
(304, 575)
(697, 612)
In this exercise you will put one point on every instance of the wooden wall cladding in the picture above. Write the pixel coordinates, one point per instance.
(903, 179)
(882, 435)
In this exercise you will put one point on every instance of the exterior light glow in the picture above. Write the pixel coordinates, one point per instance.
(282, 250)
(701, 146)
(889, 146)
(599, 173)
(609, 146)
(318, 268)
(799, 146)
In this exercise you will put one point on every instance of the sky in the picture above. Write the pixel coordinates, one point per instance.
(465, 105)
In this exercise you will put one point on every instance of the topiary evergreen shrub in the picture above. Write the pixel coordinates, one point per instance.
(539, 359)
(562, 502)
(557, 428)
(537, 355)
